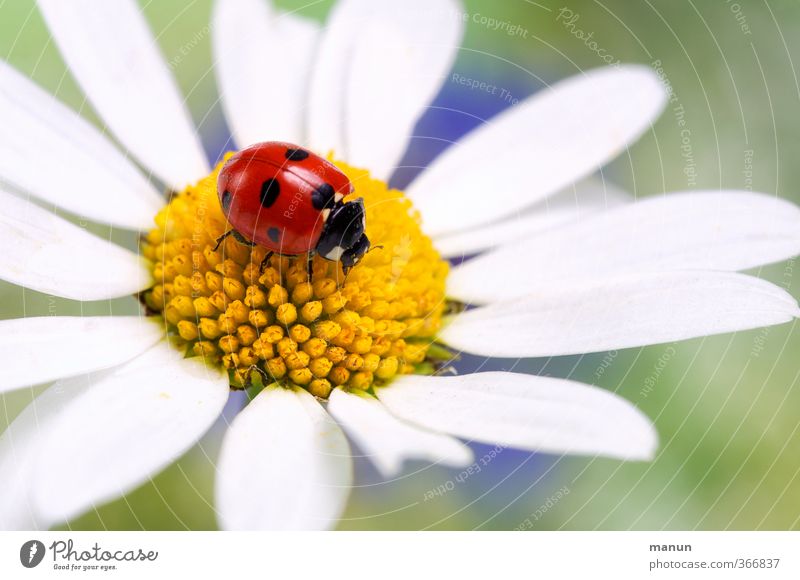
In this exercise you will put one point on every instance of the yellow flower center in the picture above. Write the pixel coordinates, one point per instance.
(355, 332)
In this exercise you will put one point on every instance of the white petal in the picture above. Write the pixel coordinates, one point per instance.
(51, 152)
(44, 252)
(284, 464)
(128, 425)
(535, 413)
(327, 95)
(19, 447)
(37, 350)
(115, 59)
(397, 64)
(378, 64)
(581, 201)
(264, 97)
(704, 231)
(533, 149)
(620, 313)
(388, 441)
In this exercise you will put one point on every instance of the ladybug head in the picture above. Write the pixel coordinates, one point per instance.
(343, 239)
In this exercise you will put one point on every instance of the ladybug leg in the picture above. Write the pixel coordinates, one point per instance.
(265, 261)
(237, 236)
(310, 266)
(242, 240)
(222, 239)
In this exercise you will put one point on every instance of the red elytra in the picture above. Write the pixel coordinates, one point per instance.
(279, 196)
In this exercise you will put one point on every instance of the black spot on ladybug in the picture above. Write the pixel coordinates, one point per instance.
(296, 154)
(269, 191)
(274, 234)
(226, 200)
(322, 196)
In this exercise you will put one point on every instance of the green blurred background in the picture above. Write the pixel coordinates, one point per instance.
(726, 407)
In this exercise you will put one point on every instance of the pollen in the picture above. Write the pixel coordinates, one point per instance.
(277, 326)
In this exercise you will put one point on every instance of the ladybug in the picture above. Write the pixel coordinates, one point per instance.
(288, 200)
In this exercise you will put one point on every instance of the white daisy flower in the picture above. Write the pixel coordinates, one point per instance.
(345, 357)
